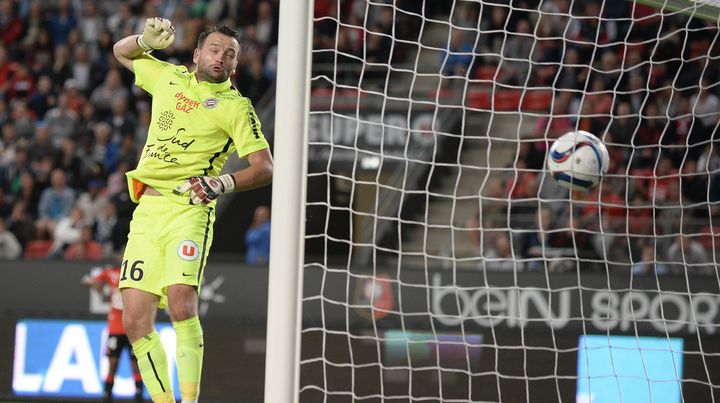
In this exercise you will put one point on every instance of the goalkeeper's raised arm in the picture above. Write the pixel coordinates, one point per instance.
(197, 120)
(158, 34)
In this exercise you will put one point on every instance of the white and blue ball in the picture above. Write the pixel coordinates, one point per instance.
(577, 160)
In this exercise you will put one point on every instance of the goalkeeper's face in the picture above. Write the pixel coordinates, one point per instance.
(217, 59)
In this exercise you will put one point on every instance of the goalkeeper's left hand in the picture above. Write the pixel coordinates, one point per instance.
(204, 189)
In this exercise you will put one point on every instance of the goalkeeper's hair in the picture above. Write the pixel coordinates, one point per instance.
(223, 29)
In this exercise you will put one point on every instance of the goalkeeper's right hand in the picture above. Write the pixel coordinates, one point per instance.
(158, 34)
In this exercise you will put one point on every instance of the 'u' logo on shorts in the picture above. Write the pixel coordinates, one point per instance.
(188, 250)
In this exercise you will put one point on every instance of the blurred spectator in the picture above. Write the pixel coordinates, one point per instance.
(105, 229)
(257, 238)
(42, 170)
(61, 121)
(456, 59)
(492, 27)
(55, 203)
(688, 255)
(265, 24)
(499, 256)
(517, 51)
(25, 122)
(709, 164)
(475, 231)
(648, 263)
(22, 83)
(599, 97)
(67, 232)
(91, 24)
(124, 207)
(104, 151)
(7, 67)
(543, 241)
(117, 181)
(706, 105)
(41, 145)
(637, 96)
(44, 98)
(35, 22)
(652, 126)
(93, 201)
(251, 80)
(20, 223)
(110, 90)
(62, 67)
(11, 26)
(24, 191)
(558, 122)
(683, 130)
(9, 246)
(122, 21)
(75, 99)
(13, 162)
(122, 121)
(8, 147)
(694, 184)
(84, 248)
(624, 124)
(68, 160)
(250, 47)
(62, 22)
(81, 67)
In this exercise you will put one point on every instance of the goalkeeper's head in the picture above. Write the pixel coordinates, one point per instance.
(216, 56)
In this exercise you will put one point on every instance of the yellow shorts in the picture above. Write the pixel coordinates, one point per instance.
(168, 244)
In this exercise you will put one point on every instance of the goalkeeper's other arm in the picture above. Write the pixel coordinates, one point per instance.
(204, 189)
(158, 34)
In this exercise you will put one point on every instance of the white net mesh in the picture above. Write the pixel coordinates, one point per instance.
(445, 264)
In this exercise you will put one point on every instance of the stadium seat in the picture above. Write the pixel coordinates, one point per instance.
(506, 100)
(709, 237)
(37, 249)
(537, 100)
(487, 73)
(478, 99)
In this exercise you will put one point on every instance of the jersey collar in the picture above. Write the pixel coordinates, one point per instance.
(214, 87)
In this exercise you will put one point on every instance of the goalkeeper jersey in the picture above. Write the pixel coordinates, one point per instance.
(193, 129)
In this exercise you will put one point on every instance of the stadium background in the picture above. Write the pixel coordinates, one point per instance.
(66, 105)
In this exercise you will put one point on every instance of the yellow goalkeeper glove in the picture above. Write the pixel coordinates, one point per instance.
(204, 189)
(158, 34)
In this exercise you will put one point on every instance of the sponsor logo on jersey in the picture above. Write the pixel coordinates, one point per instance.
(184, 103)
(188, 250)
(210, 103)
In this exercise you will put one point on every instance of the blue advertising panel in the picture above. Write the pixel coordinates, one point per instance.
(629, 369)
(63, 358)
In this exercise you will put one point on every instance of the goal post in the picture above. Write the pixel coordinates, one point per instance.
(285, 277)
(437, 259)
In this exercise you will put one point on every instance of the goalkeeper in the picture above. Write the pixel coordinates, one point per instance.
(198, 119)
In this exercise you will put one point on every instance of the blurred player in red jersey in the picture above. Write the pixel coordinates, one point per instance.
(106, 282)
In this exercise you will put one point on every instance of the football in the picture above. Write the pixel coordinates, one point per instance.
(577, 160)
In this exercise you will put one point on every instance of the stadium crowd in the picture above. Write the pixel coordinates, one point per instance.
(645, 85)
(72, 123)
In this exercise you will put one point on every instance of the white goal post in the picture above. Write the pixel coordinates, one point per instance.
(288, 203)
(420, 250)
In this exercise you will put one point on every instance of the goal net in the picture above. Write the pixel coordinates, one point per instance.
(444, 264)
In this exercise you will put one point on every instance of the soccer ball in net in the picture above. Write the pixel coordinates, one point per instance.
(577, 160)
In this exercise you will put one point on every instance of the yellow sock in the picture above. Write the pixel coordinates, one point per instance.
(189, 357)
(152, 361)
